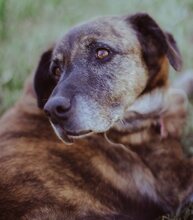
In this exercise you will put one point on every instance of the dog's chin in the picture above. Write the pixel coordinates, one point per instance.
(68, 136)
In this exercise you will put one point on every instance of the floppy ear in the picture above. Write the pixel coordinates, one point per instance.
(173, 52)
(43, 82)
(158, 47)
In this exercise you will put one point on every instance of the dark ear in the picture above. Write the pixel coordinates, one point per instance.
(173, 52)
(43, 82)
(155, 43)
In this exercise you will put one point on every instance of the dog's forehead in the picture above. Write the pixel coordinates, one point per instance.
(113, 30)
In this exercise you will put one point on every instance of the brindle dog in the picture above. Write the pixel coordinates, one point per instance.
(88, 83)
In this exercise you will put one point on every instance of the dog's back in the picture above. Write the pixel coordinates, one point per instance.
(41, 178)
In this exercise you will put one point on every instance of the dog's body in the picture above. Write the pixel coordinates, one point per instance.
(43, 178)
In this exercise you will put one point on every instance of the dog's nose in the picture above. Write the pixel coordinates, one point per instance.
(57, 107)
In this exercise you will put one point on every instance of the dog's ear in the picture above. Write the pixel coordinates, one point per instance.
(43, 82)
(173, 52)
(157, 48)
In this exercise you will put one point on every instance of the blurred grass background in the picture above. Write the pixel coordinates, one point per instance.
(28, 27)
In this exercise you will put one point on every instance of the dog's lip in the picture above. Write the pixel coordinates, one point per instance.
(77, 134)
(67, 135)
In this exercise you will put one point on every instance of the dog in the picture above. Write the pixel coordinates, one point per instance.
(103, 83)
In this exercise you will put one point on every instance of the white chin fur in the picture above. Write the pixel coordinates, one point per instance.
(67, 139)
(61, 135)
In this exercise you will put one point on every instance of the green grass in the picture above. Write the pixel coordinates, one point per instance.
(27, 27)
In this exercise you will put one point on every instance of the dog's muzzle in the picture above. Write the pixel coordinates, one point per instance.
(58, 111)
(57, 108)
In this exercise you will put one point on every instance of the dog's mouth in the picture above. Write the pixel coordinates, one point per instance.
(68, 136)
(78, 134)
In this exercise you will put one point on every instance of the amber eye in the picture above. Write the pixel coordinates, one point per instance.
(102, 53)
(57, 73)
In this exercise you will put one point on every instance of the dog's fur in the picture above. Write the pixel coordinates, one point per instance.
(94, 178)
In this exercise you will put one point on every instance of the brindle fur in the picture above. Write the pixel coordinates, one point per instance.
(43, 178)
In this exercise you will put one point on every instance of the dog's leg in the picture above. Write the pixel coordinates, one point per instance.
(185, 82)
(161, 108)
(172, 120)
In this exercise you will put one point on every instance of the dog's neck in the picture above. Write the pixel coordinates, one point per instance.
(158, 114)
(140, 123)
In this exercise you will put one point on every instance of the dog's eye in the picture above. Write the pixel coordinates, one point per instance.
(102, 53)
(57, 73)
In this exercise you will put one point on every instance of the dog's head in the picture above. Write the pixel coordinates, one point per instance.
(87, 81)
